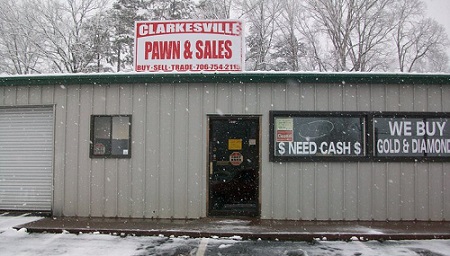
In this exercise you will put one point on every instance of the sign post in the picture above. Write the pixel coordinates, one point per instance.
(189, 46)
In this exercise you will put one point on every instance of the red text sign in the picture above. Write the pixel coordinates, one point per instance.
(285, 135)
(189, 46)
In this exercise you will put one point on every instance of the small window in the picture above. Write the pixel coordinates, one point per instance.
(111, 136)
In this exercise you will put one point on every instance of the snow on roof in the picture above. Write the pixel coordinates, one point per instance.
(237, 77)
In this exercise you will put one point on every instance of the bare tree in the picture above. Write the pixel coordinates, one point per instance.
(428, 37)
(121, 18)
(436, 61)
(215, 9)
(418, 40)
(17, 36)
(171, 9)
(288, 48)
(368, 41)
(261, 19)
(98, 32)
(319, 35)
(357, 30)
(337, 20)
(61, 25)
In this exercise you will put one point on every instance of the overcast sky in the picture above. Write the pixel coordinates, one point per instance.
(440, 10)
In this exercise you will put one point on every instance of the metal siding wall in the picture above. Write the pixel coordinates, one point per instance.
(97, 197)
(362, 191)
(152, 152)
(293, 171)
(445, 95)
(307, 184)
(167, 151)
(279, 171)
(71, 161)
(351, 195)
(266, 174)
(60, 136)
(138, 145)
(196, 165)
(446, 191)
(393, 192)
(336, 171)
(393, 170)
(167, 177)
(124, 166)
(169, 123)
(84, 189)
(181, 145)
(110, 179)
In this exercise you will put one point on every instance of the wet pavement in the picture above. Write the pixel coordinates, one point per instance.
(246, 228)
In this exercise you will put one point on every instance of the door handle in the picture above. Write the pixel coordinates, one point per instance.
(210, 168)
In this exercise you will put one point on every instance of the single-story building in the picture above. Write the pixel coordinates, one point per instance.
(297, 146)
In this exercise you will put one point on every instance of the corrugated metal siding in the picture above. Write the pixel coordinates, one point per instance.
(26, 159)
(356, 191)
(166, 176)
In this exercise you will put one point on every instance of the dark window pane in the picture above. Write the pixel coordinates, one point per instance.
(399, 136)
(319, 136)
(102, 136)
(102, 127)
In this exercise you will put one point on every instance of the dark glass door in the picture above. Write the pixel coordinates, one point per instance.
(233, 166)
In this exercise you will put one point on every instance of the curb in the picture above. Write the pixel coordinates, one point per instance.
(282, 236)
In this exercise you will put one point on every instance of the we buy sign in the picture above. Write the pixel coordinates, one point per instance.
(215, 45)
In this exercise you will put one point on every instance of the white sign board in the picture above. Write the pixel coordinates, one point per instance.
(212, 46)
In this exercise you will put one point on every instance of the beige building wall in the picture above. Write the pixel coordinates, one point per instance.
(166, 177)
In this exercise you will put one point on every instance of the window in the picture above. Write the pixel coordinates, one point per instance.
(359, 136)
(110, 136)
(317, 136)
(411, 136)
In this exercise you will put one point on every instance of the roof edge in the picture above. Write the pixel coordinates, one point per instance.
(246, 77)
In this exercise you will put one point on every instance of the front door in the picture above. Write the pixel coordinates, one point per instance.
(233, 166)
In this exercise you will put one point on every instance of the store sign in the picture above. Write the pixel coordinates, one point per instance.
(183, 46)
(324, 136)
(342, 136)
(411, 136)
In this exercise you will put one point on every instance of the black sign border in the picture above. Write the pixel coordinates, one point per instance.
(368, 136)
(276, 113)
(372, 142)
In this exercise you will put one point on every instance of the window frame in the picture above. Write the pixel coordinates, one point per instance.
(403, 115)
(365, 156)
(92, 137)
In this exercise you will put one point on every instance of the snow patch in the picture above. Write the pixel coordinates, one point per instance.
(222, 246)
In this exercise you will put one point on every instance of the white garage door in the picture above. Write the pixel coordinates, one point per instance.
(26, 159)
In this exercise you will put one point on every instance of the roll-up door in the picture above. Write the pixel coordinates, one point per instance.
(26, 159)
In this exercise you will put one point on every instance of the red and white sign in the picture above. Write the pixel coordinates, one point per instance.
(213, 45)
(285, 135)
(236, 158)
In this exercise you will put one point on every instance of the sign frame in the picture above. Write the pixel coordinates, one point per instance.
(364, 156)
(370, 135)
(189, 46)
(402, 116)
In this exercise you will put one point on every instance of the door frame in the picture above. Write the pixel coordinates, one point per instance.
(209, 167)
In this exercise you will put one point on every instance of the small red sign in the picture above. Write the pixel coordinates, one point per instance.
(285, 135)
(236, 158)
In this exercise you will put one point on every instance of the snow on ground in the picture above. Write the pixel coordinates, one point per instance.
(13, 242)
